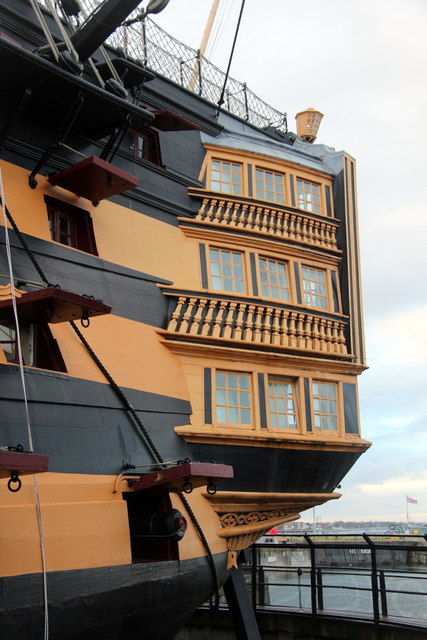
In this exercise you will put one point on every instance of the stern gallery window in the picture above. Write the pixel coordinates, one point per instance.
(325, 406)
(233, 398)
(282, 404)
(308, 196)
(227, 270)
(226, 177)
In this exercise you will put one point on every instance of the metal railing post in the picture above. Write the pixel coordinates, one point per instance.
(245, 95)
(319, 588)
(374, 579)
(383, 594)
(312, 574)
(254, 577)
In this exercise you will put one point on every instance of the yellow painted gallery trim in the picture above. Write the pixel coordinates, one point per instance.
(241, 437)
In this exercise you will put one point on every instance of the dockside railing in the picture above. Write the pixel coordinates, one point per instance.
(378, 578)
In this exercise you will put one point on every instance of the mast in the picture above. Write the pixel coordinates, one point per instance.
(204, 43)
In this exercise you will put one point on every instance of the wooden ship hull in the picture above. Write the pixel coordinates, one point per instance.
(180, 331)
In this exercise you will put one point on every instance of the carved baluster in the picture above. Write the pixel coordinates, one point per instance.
(307, 331)
(279, 223)
(173, 322)
(284, 328)
(249, 328)
(235, 214)
(249, 223)
(217, 327)
(202, 211)
(300, 331)
(291, 225)
(316, 334)
(272, 222)
(264, 221)
(229, 319)
(238, 327)
(341, 338)
(187, 316)
(328, 335)
(226, 216)
(195, 325)
(217, 214)
(311, 232)
(335, 338)
(242, 217)
(257, 219)
(275, 330)
(333, 236)
(209, 215)
(206, 327)
(286, 224)
(305, 222)
(292, 328)
(299, 222)
(317, 239)
(322, 235)
(258, 324)
(267, 328)
(322, 334)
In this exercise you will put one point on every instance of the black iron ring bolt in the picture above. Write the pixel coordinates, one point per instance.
(85, 322)
(211, 488)
(188, 487)
(14, 479)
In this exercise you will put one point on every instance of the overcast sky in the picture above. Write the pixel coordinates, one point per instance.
(363, 64)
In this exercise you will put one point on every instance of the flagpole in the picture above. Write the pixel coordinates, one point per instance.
(407, 510)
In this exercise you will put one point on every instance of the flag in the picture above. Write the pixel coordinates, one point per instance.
(411, 500)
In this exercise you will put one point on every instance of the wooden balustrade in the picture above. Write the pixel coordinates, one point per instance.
(257, 323)
(298, 227)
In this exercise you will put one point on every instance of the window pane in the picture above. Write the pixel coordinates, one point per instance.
(325, 407)
(226, 270)
(221, 396)
(233, 415)
(273, 286)
(270, 186)
(282, 403)
(246, 416)
(220, 379)
(234, 399)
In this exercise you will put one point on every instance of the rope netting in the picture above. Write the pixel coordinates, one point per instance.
(169, 57)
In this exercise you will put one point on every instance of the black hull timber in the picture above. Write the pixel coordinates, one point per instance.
(142, 601)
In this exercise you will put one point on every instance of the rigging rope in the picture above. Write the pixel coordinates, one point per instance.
(27, 413)
(149, 442)
(221, 99)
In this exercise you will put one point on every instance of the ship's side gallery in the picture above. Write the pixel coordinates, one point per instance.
(235, 334)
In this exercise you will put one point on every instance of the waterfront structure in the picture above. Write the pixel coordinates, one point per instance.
(210, 393)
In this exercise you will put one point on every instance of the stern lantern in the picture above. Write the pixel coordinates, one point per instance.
(308, 123)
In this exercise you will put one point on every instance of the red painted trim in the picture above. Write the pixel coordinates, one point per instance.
(198, 473)
(37, 307)
(22, 463)
(94, 179)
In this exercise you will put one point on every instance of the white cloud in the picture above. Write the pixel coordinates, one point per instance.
(400, 338)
